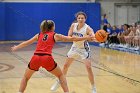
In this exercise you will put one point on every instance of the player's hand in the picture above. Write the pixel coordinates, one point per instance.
(90, 38)
(14, 48)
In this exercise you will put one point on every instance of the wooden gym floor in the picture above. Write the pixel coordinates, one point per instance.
(114, 71)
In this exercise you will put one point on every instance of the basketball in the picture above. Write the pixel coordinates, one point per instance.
(101, 36)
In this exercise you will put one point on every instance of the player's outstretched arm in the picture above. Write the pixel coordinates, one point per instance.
(25, 43)
(60, 37)
(90, 32)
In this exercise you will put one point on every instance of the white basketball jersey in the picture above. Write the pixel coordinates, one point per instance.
(80, 33)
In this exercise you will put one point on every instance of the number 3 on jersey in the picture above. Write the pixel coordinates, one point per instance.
(45, 37)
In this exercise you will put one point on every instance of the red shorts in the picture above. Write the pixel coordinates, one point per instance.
(42, 60)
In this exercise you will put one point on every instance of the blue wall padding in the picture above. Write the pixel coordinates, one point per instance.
(21, 21)
(2, 21)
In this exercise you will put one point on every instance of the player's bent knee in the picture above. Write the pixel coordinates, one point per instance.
(88, 66)
(60, 75)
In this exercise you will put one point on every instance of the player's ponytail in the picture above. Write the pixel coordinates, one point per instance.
(43, 26)
(50, 25)
(46, 25)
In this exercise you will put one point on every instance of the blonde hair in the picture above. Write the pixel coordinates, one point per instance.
(46, 25)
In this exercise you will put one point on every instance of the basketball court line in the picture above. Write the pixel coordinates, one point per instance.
(109, 71)
(131, 80)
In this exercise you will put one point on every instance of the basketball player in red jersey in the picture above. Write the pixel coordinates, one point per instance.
(43, 54)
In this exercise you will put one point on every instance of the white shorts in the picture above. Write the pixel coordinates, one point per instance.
(78, 53)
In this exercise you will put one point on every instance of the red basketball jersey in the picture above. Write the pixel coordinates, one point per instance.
(45, 42)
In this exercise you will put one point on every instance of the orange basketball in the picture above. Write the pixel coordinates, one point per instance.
(101, 36)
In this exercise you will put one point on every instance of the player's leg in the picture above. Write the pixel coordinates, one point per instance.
(87, 63)
(65, 69)
(62, 80)
(71, 54)
(123, 40)
(127, 40)
(32, 67)
(90, 74)
(136, 43)
(85, 56)
(119, 38)
(67, 65)
(25, 79)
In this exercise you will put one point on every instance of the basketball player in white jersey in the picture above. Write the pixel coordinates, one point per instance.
(79, 49)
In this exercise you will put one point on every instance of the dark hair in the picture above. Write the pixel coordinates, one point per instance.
(46, 25)
(127, 25)
(81, 13)
(105, 15)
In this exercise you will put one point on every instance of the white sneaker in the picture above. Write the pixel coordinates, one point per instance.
(110, 45)
(55, 86)
(93, 90)
(120, 45)
(125, 46)
(102, 44)
(136, 48)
